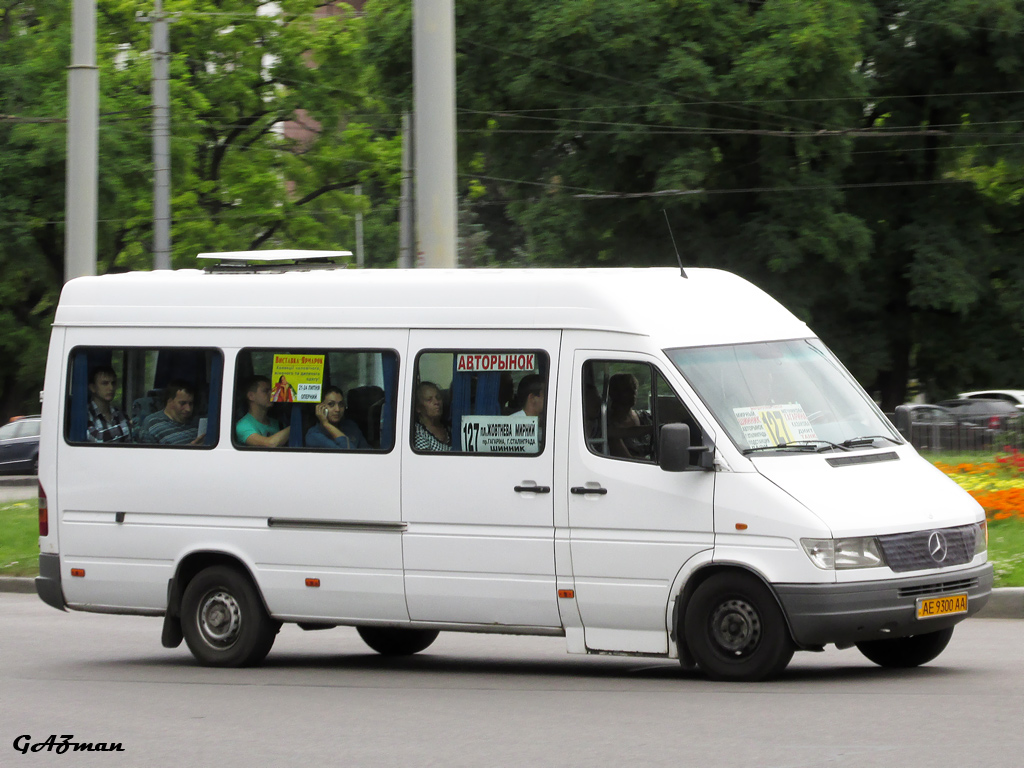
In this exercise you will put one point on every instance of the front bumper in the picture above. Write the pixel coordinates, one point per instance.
(845, 614)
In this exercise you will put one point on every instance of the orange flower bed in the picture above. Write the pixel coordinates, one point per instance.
(997, 485)
(1001, 505)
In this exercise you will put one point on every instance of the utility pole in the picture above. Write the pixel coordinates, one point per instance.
(359, 229)
(82, 144)
(406, 239)
(161, 139)
(433, 47)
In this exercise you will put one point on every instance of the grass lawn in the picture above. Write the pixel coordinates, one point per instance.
(1006, 551)
(19, 538)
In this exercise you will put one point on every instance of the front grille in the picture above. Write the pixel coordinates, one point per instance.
(913, 551)
(942, 588)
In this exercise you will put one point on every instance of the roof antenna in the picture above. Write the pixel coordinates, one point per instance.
(678, 257)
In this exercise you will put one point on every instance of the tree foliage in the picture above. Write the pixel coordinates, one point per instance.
(859, 159)
(239, 71)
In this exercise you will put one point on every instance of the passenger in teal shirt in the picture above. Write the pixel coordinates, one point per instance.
(256, 428)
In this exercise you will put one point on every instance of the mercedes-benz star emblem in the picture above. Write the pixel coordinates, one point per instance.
(937, 546)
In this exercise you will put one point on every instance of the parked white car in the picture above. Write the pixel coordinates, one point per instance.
(1015, 396)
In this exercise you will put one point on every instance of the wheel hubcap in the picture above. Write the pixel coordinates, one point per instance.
(220, 619)
(736, 627)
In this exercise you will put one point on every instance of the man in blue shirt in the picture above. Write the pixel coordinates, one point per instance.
(335, 431)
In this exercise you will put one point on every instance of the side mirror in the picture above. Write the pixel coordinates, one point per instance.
(903, 421)
(675, 451)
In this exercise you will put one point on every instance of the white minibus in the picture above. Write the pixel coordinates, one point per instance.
(641, 461)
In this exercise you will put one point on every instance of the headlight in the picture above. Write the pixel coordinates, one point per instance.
(981, 538)
(842, 554)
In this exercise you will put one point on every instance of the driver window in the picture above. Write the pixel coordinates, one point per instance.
(625, 404)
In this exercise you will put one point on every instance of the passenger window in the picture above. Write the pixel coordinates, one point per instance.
(166, 397)
(480, 401)
(315, 399)
(625, 404)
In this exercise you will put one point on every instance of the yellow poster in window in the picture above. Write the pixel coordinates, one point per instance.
(770, 425)
(297, 378)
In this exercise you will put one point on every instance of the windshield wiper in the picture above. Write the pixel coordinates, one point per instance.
(798, 445)
(853, 442)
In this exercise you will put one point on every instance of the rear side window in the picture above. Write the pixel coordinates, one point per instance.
(315, 399)
(480, 401)
(167, 397)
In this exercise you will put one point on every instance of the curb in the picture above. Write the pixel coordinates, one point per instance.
(17, 584)
(29, 481)
(1005, 603)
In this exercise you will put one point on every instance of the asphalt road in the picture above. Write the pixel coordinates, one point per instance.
(323, 699)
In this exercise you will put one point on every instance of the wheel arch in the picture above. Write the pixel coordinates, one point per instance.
(700, 575)
(188, 567)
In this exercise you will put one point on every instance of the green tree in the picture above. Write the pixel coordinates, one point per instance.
(34, 49)
(239, 71)
(851, 157)
(938, 301)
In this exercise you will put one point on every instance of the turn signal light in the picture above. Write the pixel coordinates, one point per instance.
(741, 526)
(79, 572)
(566, 593)
(312, 582)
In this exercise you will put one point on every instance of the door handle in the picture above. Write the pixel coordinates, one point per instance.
(532, 489)
(580, 490)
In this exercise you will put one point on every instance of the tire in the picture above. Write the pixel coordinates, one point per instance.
(906, 652)
(224, 621)
(393, 641)
(735, 629)
(35, 465)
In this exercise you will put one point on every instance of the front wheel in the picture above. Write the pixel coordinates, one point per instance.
(224, 621)
(735, 629)
(395, 641)
(906, 652)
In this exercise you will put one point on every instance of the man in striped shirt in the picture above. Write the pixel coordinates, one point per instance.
(174, 425)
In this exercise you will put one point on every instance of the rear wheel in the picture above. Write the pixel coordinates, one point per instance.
(224, 621)
(395, 641)
(735, 629)
(906, 652)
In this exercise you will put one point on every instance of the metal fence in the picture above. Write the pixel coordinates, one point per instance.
(954, 437)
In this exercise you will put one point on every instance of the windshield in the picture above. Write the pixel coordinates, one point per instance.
(784, 396)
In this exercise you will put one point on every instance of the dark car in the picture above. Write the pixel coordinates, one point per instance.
(988, 413)
(983, 424)
(931, 427)
(19, 446)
